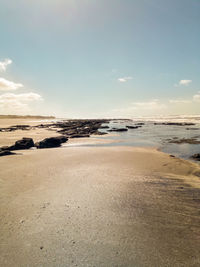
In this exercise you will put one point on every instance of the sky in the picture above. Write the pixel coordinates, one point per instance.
(99, 58)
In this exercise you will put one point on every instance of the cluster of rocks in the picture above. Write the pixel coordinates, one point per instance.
(15, 127)
(196, 157)
(77, 128)
(133, 126)
(51, 142)
(136, 126)
(191, 141)
(27, 143)
(118, 130)
(68, 129)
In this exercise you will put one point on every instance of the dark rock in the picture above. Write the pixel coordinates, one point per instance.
(24, 143)
(118, 130)
(21, 127)
(16, 127)
(6, 153)
(62, 138)
(51, 142)
(196, 156)
(175, 123)
(100, 133)
(79, 135)
(4, 148)
(192, 141)
(140, 123)
(104, 127)
(132, 127)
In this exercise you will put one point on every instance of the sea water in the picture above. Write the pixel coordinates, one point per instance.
(151, 135)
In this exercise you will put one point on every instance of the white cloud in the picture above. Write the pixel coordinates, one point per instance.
(124, 79)
(196, 98)
(185, 82)
(179, 101)
(17, 103)
(4, 64)
(6, 85)
(141, 108)
(26, 97)
(149, 105)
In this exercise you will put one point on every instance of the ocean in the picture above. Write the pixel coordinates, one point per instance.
(154, 134)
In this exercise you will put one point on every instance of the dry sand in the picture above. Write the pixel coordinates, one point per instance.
(105, 206)
(97, 206)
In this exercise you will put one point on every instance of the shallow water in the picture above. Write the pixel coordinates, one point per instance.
(150, 135)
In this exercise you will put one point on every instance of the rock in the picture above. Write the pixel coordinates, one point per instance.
(104, 127)
(175, 123)
(140, 123)
(51, 142)
(192, 141)
(99, 133)
(16, 127)
(24, 143)
(79, 135)
(133, 127)
(118, 130)
(21, 127)
(62, 138)
(4, 148)
(196, 156)
(6, 153)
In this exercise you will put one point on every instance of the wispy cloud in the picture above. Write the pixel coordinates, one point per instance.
(179, 101)
(124, 79)
(17, 103)
(196, 98)
(141, 108)
(185, 82)
(4, 64)
(26, 97)
(11, 102)
(6, 85)
(154, 104)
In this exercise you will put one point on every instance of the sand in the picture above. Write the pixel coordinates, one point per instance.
(99, 206)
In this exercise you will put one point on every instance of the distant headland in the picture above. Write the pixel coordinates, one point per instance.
(26, 117)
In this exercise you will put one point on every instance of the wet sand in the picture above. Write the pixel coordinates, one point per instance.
(99, 206)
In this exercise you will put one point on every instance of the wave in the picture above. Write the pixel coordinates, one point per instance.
(169, 118)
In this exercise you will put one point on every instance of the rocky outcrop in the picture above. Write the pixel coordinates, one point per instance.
(118, 130)
(175, 123)
(196, 156)
(6, 153)
(77, 128)
(192, 141)
(140, 123)
(15, 127)
(133, 127)
(79, 135)
(51, 142)
(24, 143)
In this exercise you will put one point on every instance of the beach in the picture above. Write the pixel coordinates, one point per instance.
(97, 206)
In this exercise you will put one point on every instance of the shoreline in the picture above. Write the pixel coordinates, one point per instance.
(93, 203)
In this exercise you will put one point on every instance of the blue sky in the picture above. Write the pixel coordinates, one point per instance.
(87, 58)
